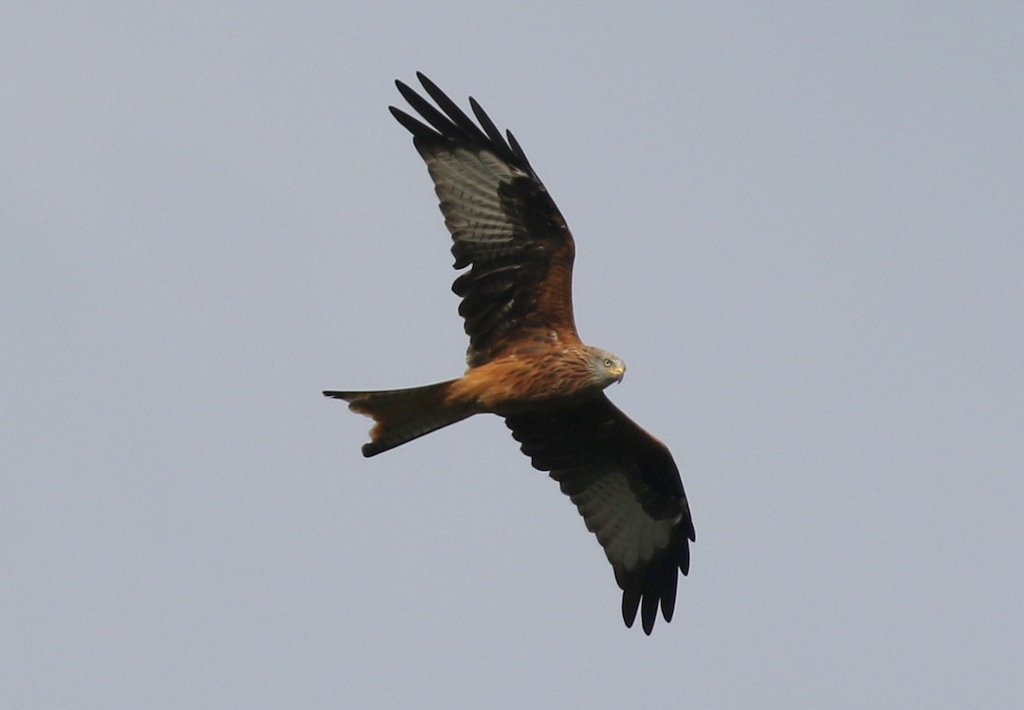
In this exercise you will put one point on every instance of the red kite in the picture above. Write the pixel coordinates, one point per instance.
(526, 362)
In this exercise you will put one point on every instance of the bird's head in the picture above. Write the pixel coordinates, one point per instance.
(606, 367)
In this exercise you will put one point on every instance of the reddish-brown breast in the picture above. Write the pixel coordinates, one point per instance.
(525, 381)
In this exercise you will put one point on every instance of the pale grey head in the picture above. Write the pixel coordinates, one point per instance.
(605, 367)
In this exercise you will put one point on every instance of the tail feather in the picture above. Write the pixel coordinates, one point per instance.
(403, 415)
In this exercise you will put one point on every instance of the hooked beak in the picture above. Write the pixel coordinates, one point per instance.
(619, 373)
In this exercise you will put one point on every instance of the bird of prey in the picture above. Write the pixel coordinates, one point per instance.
(526, 362)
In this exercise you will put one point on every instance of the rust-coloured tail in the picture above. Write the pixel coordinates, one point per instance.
(403, 415)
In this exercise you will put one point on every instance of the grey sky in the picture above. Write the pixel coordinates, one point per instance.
(800, 225)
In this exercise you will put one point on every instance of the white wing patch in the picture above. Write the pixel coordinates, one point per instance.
(611, 511)
(468, 183)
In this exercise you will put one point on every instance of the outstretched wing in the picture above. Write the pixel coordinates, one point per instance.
(504, 225)
(627, 488)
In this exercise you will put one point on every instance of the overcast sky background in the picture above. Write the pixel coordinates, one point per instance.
(800, 224)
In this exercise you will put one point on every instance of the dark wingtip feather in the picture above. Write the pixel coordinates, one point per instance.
(684, 557)
(452, 110)
(668, 596)
(518, 151)
(649, 612)
(630, 605)
(485, 121)
(451, 123)
(418, 129)
(443, 125)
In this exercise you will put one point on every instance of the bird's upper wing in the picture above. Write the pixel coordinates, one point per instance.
(627, 488)
(503, 223)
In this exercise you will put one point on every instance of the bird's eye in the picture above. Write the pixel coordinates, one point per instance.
(608, 363)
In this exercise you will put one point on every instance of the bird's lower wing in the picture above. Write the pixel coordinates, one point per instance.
(628, 490)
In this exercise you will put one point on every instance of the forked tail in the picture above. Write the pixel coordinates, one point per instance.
(403, 415)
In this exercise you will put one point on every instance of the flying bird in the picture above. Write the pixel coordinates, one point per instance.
(526, 362)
